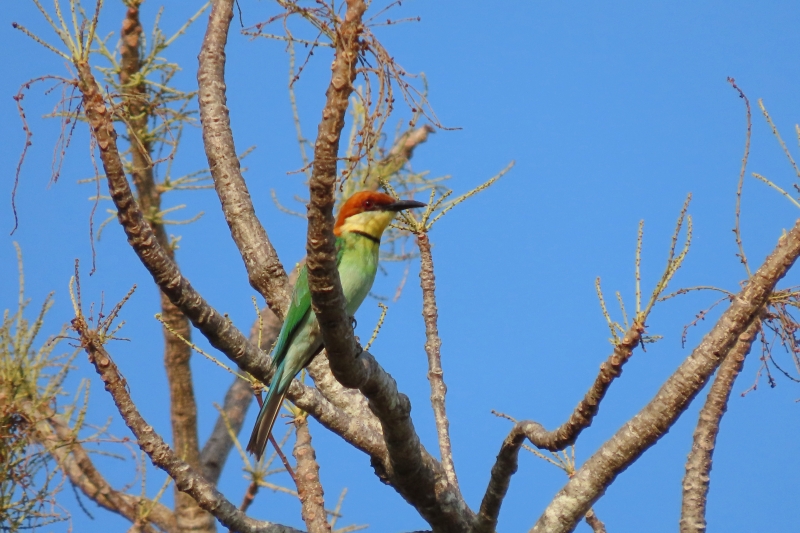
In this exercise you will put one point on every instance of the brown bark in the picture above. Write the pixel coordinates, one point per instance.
(187, 479)
(698, 464)
(264, 270)
(655, 419)
(177, 354)
(595, 523)
(309, 487)
(220, 332)
(433, 345)
(565, 435)
(413, 472)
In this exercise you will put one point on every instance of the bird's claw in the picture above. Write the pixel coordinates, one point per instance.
(353, 322)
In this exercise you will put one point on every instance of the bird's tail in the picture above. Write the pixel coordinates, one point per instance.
(266, 419)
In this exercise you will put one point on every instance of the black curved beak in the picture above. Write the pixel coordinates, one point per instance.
(400, 205)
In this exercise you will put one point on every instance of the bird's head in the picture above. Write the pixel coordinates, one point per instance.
(370, 212)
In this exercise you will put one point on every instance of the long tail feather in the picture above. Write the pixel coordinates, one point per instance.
(265, 421)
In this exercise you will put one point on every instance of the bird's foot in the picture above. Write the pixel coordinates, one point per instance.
(353, 322)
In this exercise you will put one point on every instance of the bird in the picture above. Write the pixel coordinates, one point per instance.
(359, 226)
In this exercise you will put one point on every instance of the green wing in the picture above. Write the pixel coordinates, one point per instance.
(298, 309)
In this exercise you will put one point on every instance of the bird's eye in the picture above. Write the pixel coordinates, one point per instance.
(368, 204)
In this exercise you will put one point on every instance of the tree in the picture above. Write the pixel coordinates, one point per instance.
(352, 396)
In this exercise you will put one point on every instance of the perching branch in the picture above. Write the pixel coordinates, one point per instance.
(698, 464)
(186, 478)
(560, 438)
(309, 487)
(655, 419)
(433, 345)
(220, 332)
(177, 354)
(264, 269)
(413, 473)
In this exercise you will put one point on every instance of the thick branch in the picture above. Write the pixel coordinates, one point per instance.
(655, 419)
(698, 464)
(415, 474)
(218, 329)
(186, 478)
(264, 270)
(60, 442)
(309, 487)
(433, 345)
(177, 354)
(565, 435)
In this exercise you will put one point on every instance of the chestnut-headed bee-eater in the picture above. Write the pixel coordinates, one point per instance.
(359, 227)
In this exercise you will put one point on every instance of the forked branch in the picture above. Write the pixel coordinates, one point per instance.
(416, 475)
(556, 440)
(698, 464)
(655, 419)
(186, 478)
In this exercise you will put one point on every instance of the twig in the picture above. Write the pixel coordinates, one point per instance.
(283, 458)
(737, 228)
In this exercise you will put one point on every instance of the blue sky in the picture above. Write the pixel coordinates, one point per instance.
(612, 112)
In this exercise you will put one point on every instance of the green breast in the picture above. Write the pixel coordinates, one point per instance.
(358, 265)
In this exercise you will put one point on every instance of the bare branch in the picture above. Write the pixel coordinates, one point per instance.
(416, 475)
(219, 331)
(563, 436)
(655, 419)
(698, 464)
(186, 478)
(433, 348)
(177, 353)
(309, 487)
(737, 231)
(264, 269)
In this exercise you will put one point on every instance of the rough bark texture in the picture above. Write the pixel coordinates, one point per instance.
(433, 345)
(655, 419)
(264, 270)
(186, 478)
(506, 464)
(220, 332)
(412, 471)
(309, 487)
(698, 464)
(177, 354)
